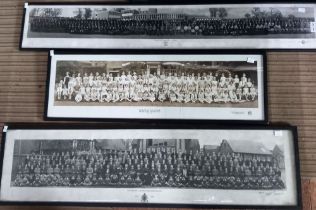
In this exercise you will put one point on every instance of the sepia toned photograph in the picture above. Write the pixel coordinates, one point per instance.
(172, 26)
(156, 83)
(225, 82)
(146, 165)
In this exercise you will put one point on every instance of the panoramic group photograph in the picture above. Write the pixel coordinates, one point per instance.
(156, 83)
(162, 163)
(150, 22)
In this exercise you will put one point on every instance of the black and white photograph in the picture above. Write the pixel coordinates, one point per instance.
(226, 167)
(206, 26)
(157, 86)
(147, 163)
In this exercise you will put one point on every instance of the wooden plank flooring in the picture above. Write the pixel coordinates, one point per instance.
(291, 91)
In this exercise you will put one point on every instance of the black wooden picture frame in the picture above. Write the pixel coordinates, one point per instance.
(34, 127)
(169, 43)
(263, 95)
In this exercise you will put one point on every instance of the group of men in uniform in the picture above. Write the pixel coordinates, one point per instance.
(186, 26)
(184, 88)
(156, 167)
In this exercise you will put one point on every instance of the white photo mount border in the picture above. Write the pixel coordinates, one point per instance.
(106, 111)
(291, 41)
(289, 135)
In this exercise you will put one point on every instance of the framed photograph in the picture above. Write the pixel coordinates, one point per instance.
(176, 166)
(176, 85)
(199, 26)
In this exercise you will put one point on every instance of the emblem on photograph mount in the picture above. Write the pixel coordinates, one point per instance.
(144, 198)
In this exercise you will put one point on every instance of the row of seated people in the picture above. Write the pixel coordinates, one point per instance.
(241, 26)
(148, 180)
(181, 169)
